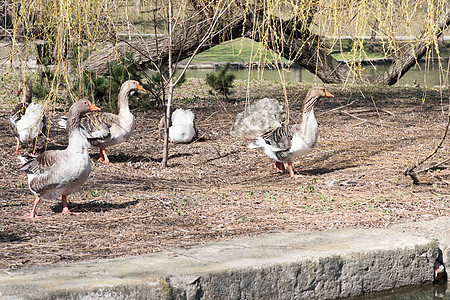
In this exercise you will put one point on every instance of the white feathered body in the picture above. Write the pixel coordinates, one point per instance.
(183, 128)
(31, 123)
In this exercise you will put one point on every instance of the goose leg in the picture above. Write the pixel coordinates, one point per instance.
(33, 214)
(291, 169)
(34, 145)
(17, 146)
(65, 210)
(280, 166)
(103, 156)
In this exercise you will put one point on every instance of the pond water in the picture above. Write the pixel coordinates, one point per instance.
(426, 74)
(425, 292)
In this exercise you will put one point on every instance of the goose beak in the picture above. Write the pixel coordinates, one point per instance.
(328, 94)
(140, 88)
(94, 108)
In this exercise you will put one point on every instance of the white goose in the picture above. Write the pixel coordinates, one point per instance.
(287, 142)
(57, 173)
(104, 129)
(182, 128)
(27, 119)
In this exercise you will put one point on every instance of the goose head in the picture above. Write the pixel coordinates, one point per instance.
(25, 88)
(77, 110)
(83, 106)
(129, 87)
(313, 95)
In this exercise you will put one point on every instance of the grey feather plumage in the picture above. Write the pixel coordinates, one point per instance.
(57, 173)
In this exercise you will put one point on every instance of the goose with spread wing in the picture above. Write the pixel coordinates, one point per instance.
(288, 142)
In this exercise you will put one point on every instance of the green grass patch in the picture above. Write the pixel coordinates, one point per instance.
(240, 50)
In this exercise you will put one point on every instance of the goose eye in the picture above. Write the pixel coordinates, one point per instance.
(85, 102)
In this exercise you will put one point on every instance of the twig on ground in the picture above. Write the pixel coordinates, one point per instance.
(361, 119)
(371, 110)
(337, 108)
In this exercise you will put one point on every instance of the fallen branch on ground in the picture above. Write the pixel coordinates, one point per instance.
(410, 170)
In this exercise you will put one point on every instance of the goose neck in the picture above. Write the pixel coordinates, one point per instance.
(123, 101)
(308, 117)
(77, 140)
(73, 127)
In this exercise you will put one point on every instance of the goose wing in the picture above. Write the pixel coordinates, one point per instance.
(41, 174)
(17, 112)
(280, 140)
(40, 164)
(97, 125)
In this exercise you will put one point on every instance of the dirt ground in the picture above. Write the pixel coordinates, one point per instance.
(217, 189)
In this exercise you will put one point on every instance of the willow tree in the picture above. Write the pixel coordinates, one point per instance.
(71, 30)
(304, 32)
(63, 33)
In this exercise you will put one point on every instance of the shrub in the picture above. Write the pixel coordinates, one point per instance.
(105, 88)
(220, 81)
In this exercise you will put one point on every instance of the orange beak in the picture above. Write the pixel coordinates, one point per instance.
(328, 94)
(18, 92)
(140, 88)
(94, 108)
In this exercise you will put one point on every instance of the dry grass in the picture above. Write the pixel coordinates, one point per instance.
(216, 188)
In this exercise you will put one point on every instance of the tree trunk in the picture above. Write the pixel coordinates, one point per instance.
(185, 42)
(165, 157)
(298, 44)
(138, 7)
(313, 56)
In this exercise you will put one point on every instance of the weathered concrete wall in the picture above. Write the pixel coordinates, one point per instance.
(304, 265)
(324, 278)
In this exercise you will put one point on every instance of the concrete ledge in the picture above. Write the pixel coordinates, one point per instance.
(305, 265)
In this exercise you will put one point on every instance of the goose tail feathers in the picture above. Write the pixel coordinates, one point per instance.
(23, 160)
(259, 143)
(27, 162)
